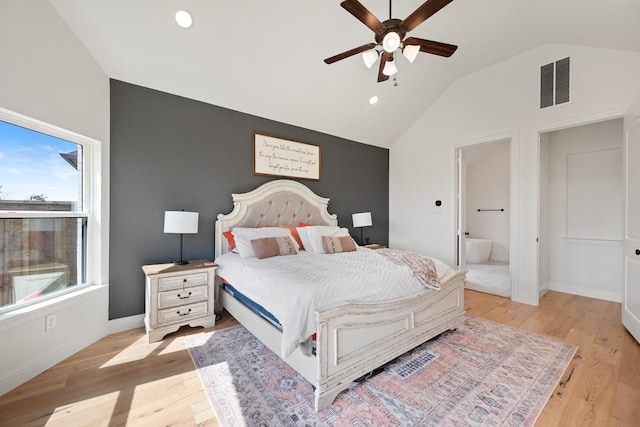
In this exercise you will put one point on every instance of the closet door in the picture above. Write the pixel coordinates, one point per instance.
(631, 292)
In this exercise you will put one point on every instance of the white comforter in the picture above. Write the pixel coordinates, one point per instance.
(293, 287)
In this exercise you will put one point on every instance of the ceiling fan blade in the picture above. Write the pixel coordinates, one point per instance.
(383, 60)
(421, 14)
(349, 53)
(361, 13)
(428, 46)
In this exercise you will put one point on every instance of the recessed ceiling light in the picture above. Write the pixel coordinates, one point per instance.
(373, 100)
(184, 19)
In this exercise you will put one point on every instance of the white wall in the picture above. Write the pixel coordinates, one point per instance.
(501, 99)
(46, 74)
(488, 174)
(586, 219)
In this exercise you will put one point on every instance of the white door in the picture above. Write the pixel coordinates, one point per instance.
(462, 209)
(631, 292)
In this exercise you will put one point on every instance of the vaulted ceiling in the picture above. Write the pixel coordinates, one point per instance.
(266, 57)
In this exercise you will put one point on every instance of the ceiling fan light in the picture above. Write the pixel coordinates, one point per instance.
(390, 68)
(370, 57)
(391, 41)
(410, 52)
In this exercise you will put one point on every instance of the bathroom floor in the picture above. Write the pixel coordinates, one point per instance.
(492, 278)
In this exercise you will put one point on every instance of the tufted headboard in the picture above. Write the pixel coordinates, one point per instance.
(279, 202)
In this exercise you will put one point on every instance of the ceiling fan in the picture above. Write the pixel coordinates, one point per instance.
(390, 36)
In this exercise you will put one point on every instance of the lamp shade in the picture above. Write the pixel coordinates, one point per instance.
(180, 222)
(411, 51)
(390, 68)
(370, 57)
(362, 219)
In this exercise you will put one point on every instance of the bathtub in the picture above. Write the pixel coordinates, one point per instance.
(477, 250)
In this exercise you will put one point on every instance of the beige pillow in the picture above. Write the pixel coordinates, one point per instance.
(267, 247)
(243, 237)
(334, 245)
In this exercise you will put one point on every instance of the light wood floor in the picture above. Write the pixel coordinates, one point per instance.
(124, 380)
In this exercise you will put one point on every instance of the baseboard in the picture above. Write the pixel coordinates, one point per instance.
(586, 292)
(126, 323)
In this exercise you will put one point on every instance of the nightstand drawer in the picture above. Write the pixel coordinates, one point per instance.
(183, 280)
(182, 313)
(182, 296)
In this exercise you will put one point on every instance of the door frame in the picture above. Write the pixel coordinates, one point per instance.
(537, 133)
(460, 216)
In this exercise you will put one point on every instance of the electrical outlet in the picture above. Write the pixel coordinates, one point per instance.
(49, 322)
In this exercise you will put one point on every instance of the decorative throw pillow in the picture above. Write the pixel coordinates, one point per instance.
(232, 243)
(244, 236)
(274, 246)
(334, 245)
(316, 234)
(311, 236)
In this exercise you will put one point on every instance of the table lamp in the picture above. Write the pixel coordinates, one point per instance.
(360, 220)
(180, 222)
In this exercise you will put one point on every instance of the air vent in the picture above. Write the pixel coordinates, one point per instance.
(554, 83)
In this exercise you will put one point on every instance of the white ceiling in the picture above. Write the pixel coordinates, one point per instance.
(266, 57)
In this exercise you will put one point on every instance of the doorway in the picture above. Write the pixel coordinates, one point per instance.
(581, 210)
(484, 211)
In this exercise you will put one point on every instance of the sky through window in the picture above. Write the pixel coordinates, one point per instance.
(31, 164)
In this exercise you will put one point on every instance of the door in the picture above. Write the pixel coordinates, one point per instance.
(631, 291)
(462, 209)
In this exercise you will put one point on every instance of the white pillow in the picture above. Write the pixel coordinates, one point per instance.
(311, 237)
(244, 236)
(305, 238)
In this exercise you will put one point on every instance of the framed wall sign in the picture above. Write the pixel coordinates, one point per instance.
(282, 157)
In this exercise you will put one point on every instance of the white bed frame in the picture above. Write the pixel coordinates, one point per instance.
(354, 338)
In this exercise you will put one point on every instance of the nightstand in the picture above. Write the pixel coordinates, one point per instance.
(178, 295)
(375, 246)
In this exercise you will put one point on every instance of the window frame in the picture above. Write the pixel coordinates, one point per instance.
(91, 196)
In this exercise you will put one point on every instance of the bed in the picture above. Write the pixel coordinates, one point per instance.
(351, 338)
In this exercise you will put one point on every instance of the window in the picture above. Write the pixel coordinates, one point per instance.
(45, 210)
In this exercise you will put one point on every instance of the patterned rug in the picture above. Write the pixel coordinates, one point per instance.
(485, 374)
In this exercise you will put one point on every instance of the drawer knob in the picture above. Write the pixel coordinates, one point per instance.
(183, 314)
(184, 280)
(185, 297)
(637, 251)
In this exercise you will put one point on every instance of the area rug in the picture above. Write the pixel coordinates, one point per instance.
(485, 374)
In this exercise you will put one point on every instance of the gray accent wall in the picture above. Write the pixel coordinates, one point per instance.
(172, 153)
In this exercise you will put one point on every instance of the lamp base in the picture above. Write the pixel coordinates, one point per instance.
(180, 262)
